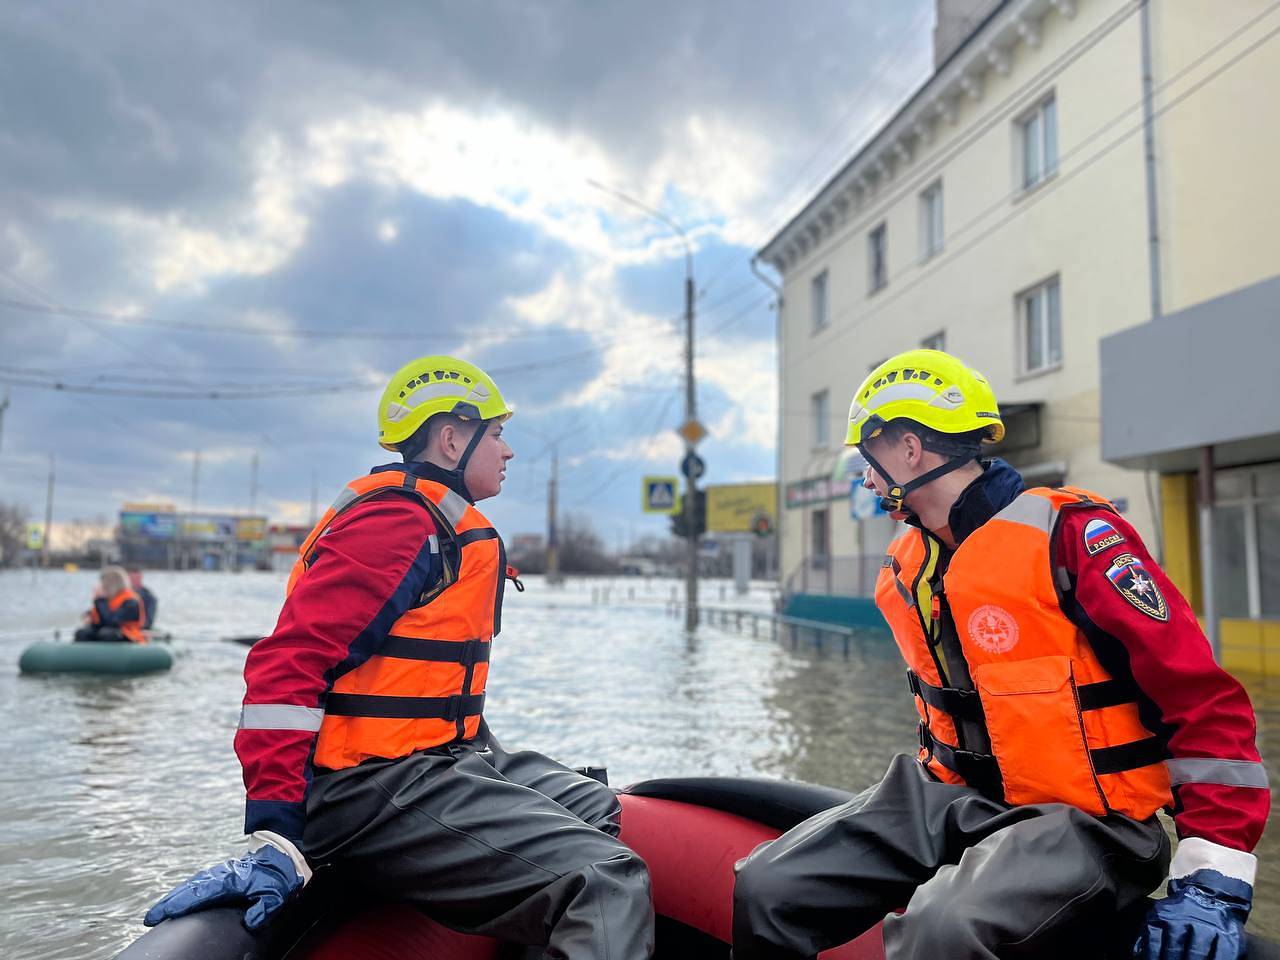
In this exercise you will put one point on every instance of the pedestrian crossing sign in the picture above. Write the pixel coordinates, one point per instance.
(661, 494)
(35, 536)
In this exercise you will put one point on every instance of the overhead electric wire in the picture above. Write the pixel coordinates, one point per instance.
(1045, 189)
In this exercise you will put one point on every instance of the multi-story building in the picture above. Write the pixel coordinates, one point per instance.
(1068, 171)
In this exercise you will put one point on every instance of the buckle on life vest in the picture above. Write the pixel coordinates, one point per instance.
(469, 655)
(979, 770)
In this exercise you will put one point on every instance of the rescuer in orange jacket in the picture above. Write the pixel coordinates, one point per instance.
(117, 613)
(1065, 695)
(362, 734)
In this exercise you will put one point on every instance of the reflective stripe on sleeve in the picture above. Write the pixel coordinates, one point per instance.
(280, 716)
(434, 542)
(1230, 773)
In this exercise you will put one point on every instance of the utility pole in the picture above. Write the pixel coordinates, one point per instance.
(4, 405)
(253, 483)
(48, 517)
(690, 403)
(691, 483)
(553, 544)
(195, 481)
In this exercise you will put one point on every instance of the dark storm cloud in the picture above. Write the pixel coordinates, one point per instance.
(156, 112)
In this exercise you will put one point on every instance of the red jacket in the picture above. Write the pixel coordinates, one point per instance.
(374, 563)
(1202, 709)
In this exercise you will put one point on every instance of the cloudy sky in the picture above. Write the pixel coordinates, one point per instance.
(285, 202)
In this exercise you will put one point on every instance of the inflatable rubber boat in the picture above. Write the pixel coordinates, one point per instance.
(109, 657)
(689, 831)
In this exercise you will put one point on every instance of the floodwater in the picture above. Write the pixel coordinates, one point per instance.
(113, 790)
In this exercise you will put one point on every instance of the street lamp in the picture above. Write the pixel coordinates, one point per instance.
(690, 400)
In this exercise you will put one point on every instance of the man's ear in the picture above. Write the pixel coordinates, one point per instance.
(914, 447)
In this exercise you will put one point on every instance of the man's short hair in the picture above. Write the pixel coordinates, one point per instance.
(947, 444)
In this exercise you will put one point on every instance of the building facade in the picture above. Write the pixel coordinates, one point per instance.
(1070, 170)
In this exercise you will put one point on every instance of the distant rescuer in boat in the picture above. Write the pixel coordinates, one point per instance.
(362, 734)
(1066, 693)
(145, 595)
(117, 613)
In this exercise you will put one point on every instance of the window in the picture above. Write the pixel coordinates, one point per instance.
(931, 221)
(937, 341)
(818, 302)
(1246, 541)
(877, 258)
(1038, 143)
(821, 551)
(1040, 327)
(819, 410)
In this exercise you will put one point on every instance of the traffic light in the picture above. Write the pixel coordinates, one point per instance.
(699, 516)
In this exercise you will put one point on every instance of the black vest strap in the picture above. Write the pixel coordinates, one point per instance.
(465, 652)
(1106, 693)
(404, 708)
(978, 770)
(960, 704)
(1129, 756)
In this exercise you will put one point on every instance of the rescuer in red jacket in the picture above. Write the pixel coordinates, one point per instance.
(1065, 693)
(362, 734)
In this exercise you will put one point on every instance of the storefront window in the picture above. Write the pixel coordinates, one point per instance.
(1269, 557)
(1231, 583)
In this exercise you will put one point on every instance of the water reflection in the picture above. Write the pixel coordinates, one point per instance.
(114, 790)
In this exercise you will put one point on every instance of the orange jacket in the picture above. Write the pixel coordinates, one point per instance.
(425, 685)
(1011, 696)
(131, 629)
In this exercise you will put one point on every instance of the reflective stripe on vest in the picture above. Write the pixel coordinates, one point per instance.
(131, 630)
(425, 684)
(1059, 727)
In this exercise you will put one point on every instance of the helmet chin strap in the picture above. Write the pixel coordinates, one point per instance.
(894, 499)
(461, 469)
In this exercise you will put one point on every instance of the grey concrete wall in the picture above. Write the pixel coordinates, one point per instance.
(1209, 374)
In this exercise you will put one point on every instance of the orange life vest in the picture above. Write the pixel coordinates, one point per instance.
(1012, 698)
(425, 685)
(130, 629)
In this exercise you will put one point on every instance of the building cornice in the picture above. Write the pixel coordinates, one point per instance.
(908, 135)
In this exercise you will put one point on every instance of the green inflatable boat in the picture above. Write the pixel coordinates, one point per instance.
(50, 656)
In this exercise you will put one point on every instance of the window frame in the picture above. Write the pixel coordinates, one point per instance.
(819, 417)
(1029, 294)
(819, 320)
(930, 245)
(1046, 137)
(878, 281)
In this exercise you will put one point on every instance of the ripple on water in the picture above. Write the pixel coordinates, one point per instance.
(113, 791)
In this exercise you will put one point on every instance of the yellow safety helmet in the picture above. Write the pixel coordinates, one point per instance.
(939, 392)
(930, 387)
(437, 384)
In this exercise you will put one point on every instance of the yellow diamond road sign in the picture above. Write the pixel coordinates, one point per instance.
(692, 431)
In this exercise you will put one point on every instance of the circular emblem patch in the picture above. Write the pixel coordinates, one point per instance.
(993, 628)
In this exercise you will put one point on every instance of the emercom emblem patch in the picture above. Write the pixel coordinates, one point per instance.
(1128, 575)
(1098, 535)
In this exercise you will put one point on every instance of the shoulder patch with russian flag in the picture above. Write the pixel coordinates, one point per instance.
(1100, 534)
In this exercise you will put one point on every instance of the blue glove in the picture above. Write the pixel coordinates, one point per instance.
(1202, 918)
(264, 879)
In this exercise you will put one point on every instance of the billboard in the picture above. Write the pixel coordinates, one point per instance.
(251, 529)
(736, 507)
(206, 526)
(151, 525)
